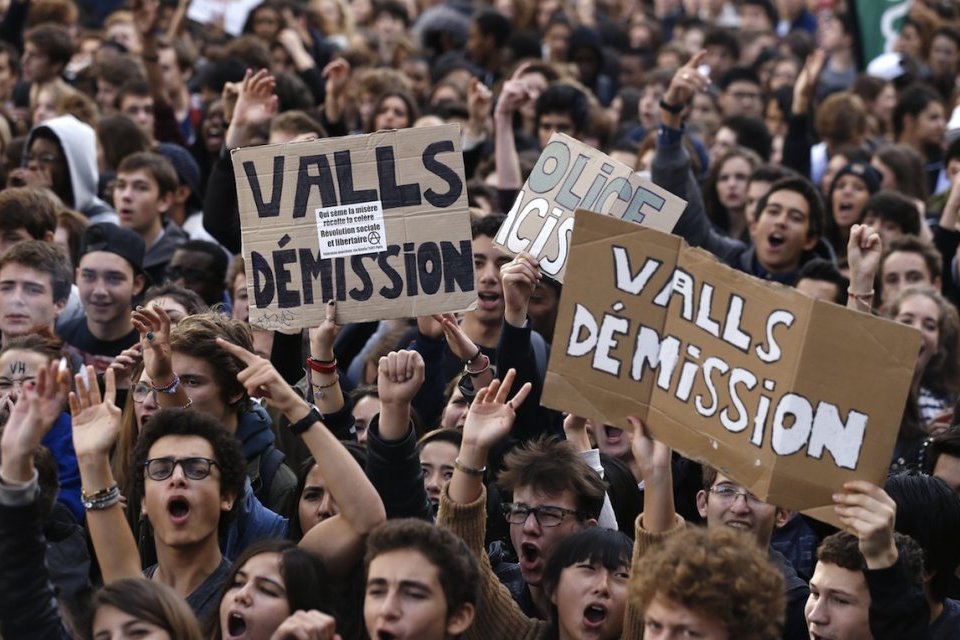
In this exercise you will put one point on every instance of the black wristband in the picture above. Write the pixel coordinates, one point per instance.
(305, 422)
(672, 108)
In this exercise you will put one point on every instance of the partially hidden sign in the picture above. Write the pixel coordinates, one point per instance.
(378, 223)
(570, 175)
(788, 395)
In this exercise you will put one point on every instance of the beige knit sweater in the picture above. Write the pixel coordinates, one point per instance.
(498, 616)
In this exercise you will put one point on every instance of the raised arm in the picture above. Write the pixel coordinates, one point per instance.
(488, 422)
(28, 608)
(339, 540)
(96, 424)
(153, 323)
(393, 465)
(796, 144)
(898, 609)
(864, 250)
(513, 96)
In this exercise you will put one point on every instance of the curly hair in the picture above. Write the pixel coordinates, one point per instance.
(718, 573)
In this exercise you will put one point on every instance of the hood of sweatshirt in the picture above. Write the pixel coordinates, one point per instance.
(254, 432)
(79, 143)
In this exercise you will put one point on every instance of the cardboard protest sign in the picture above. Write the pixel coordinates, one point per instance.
(570, 175)
(377, 222)
(788, 395)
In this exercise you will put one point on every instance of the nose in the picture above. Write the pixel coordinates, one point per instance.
(817, 611)
(327, 507)
(531, 524)
(432, 482)
(150, 402)
(390, 606)
(601, 585)
(242, 595)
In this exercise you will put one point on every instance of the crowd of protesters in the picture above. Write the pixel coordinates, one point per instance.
(169, 471)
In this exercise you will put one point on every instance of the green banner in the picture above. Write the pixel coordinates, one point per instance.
(880, 22)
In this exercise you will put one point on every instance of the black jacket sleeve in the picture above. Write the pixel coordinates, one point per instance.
(796, 144)
(393, 467)
(28, 608)
(221, 215)
(515, 351)
(898, 609)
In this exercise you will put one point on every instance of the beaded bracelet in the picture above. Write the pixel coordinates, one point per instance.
(102, 499)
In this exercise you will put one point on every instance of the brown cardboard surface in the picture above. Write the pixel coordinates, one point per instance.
(416, 176)
(828, 383)
(570, 175)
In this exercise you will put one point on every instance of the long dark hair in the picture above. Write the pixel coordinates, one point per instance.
(305, 578)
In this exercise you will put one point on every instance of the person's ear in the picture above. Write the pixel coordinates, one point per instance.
(938, 283)
(48, 237)
(182, 194)
(58, 307)
(782, 517)
(226, 501)
(460, 620)
(139, 282)
(702, 503)
(165, 201)
(811, 242)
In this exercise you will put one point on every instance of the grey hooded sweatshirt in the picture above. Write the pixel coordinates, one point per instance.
(79, 144)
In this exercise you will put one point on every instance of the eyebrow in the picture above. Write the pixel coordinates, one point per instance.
(404, 584)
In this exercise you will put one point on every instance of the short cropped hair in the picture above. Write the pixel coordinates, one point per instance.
(552, 466)
(231, 462)
(53, 40)
(197, 336)
(826, 271)
(843, 550)
(566, 99)
(156, 165)
(190, 300)
(32, 208)
(219, 262)
(297, 122)
(45, 258)
(915, 244)
(456, 565)
(718, 573)
(911, 102)
(890, 206)
(488, 225)
(929, 512)
(805, 188)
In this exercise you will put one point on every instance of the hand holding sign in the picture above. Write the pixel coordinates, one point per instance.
(869, 513)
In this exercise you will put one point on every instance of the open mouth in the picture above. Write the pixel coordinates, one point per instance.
(385, 635)
(529, 554)
(236, 625)
(179, 509)
(613, 434)
(776, 240)
(488, 300)
(595, 614)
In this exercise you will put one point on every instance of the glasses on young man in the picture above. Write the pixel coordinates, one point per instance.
(546, 515)
(728, 494)
(194, 468)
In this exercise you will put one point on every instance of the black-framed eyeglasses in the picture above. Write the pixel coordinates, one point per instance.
(194, 468)
(545, 515)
